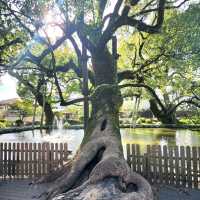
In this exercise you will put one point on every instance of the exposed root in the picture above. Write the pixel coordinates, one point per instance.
(129, 186)
(54, 174)
(106, 189)
(99, 171)
(68, 180)
(110, 167)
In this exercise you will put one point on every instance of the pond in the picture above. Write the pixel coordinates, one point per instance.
(141, 136)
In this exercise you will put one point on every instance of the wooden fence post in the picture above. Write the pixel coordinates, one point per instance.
(194, 159)
(128, 155)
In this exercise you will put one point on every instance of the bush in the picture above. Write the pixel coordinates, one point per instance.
(19, 122)
(4, 123)
(192, 120)
(149, 121)
(81, 119)
(143, 120)
(74, 122)
(66, 125)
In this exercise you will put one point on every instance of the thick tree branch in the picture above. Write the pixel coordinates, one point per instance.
(125, 20)
(71, 102)
(126, 75)
(151, 90)
(72, 66)
(167, 7)
(101, 8)
(76, 48)
(185, 101)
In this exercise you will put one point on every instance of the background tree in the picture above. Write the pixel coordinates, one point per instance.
(24, 108)
(167, 64)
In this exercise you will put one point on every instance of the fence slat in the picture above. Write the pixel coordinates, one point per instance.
(26, 159)
(56, 155)
(160, 169)
(1, 160)
(18, 160)
(13, 160)
(30, 161)
(138, 158)
(9, 161)
(66, 152)
(52, 156)
(177, 173)
(44, 159)
(128, 154)
(194, 156)
(166, 174)
(148, 162)
(154, 163)
(61, 154)
(5, 161)
(133, 163)
(171, 166)
(22, 160)
(35, 159)
(39, 159)
(189, 175)
(48, 157)
(183, 170)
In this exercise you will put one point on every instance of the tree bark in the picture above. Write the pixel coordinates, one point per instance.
(99, 170)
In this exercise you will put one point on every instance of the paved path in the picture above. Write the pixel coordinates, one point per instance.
(170, 193)
(21, 190)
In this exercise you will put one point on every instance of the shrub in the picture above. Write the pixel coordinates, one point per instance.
(149, 121)
(143, 120)
(19, 122)
(66, 125)
(192, 120)
(2, 125)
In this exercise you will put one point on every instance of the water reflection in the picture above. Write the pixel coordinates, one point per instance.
(142, 137)
(187, 138)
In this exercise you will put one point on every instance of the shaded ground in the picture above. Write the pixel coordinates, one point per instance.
(21, 190)
(171, 193)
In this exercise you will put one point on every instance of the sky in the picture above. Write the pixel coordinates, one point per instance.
(7, 87)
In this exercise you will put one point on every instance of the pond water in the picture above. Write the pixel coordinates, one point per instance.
(143, 137)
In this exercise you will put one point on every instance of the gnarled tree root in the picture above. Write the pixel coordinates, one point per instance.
(99, 171)
(54, 174)
(108, 170)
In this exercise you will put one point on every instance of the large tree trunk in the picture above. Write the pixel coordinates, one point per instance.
(165, 117)
(99, 170)
(49, 115)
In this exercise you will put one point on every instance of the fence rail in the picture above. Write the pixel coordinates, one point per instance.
(28, 160)
(176, 165)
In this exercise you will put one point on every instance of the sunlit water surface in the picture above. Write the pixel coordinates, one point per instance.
(143, 137)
